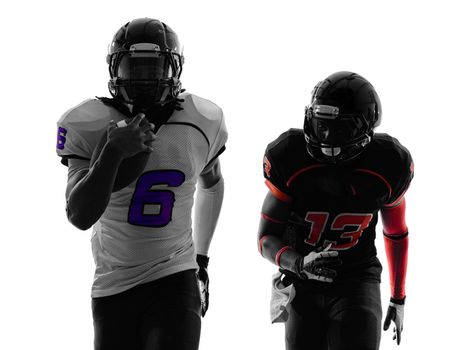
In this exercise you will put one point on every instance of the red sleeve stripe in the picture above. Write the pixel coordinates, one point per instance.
(301, 171)
(260, 243)
(278, 193)
(279, 253)
(379, 176)
(268, 218)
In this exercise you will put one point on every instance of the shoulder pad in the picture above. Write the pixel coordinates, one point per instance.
(396, 164)
(278, 155)
(390, 150)
(81, 127)
(207, 117)
(285, 139)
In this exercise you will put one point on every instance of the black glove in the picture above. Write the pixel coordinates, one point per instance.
(203, 282)
(396, 314)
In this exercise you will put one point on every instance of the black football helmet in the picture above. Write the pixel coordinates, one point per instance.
(145, 63)
(340, 119)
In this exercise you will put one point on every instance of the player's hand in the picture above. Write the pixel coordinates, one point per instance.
(318, 265)
(131, 136)
(395, 314)
(203, 282)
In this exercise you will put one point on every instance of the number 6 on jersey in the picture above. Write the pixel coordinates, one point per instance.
(144, 196)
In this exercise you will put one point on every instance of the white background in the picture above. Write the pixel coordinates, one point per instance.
(259, 61)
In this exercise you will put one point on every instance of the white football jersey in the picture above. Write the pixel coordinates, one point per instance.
(145, 232)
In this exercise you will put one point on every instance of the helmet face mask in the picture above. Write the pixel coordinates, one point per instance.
(340, 119)
(145, 63)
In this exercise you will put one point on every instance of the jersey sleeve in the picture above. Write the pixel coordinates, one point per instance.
(209, 119)
(80, 129)
(404, 175)
(70, 144)
(218, 144)
(274, 164)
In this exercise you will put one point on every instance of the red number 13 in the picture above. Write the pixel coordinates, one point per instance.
(318, 222)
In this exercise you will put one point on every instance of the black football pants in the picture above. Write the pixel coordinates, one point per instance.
(335, 319)
(159, 315)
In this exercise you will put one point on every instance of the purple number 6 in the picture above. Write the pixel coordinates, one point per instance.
(61, 138)
(144, 196)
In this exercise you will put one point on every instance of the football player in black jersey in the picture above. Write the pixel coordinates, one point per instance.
(327, 183)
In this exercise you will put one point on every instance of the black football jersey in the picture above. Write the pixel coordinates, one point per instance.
(338, 204)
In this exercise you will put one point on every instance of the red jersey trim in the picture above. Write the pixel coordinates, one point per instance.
(301, 171)
(278, 193)
(279, 253)
(260, 243)
(379, 176)
(268, 218)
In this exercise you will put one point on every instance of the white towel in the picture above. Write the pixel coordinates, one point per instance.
(281, 296)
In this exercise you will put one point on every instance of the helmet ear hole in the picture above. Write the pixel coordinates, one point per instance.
(341, 117)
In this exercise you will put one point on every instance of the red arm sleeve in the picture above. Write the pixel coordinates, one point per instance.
(396, 241)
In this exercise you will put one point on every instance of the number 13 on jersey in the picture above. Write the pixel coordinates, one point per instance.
(347, 239)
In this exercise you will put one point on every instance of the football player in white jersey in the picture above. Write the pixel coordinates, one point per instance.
(134, 161)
